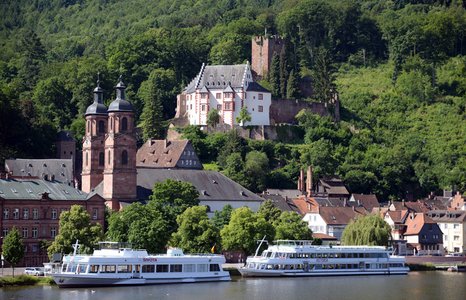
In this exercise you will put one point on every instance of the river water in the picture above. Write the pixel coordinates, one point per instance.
(416, 285)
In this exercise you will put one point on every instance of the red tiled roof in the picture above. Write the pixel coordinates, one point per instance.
(166, 154)
(415, 222)
(367, 201)
(323, 236)
(340, 215)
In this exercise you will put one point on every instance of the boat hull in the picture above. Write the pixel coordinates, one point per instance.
(75, 280)
(280, 273)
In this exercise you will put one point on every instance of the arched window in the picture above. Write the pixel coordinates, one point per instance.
(101, 159)
(124, 124)
(111, 123)
(87, 159)
(88, 126)
(109, 159)
(124, 157)
(101, 126)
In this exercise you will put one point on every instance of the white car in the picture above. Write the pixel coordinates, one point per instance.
(34, 271)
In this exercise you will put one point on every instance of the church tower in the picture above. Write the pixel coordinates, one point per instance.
(120, 151)
(94, 142)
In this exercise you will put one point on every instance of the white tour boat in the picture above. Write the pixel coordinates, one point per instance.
(114, 264)
(300, 258)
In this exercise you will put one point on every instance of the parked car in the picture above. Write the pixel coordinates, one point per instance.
(455, 254)
(34, 271)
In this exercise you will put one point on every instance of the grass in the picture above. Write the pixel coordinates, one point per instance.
(21, 280)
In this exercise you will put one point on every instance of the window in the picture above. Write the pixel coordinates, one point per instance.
(456, 226)
(87, 159)
(261, 97)
(6, 213)
(16, 213)
(176, 268)
(124, 268)
(124, 157)
(93, 268)
(53, 232)
(456, 237)
(25, 213)
(219, 107)
(124, 124)
(260, 108)
(54, 214)
(190, 268)
(88, 126)
(4, 232)
(35, 248)
(34, 232)
(203, 107)
(218, 95)
(101, 126)
(148, 268)
(108, 269)
(25, 232)
(203, 96)
(202, 268)
(95, 213)
(35, 213)
(227, 105)
(162, 268)
(101, 159)
(214, 268)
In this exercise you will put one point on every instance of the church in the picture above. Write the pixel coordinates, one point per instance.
(115, 169)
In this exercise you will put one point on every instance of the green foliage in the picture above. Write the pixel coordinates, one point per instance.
(13, 248)
(369, 230)
(233, 144)
(222, 217)
(196, 233)
(292, 90)
(244, 229)
(141, 225)
(76, 224)
(159, 94)
(243, 117)
(172, 198)
(269, 211)
(290, 226)
(213, 118)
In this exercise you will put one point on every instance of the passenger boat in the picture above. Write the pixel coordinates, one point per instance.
(115, 264)
(300, 258)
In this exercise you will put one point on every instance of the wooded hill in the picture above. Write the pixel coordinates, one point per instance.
(399, 68)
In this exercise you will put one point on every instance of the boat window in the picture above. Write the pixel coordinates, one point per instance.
(63, 269)
(325, 255)
(94, 269)
(319, 255)
(190, 268)
(214, 268)
(202, 267)
(148, 268)
(268, 254)
(125, 268)
(176, 268)
(313, 255)
(162, 268)
(108, 269)
(330, 255)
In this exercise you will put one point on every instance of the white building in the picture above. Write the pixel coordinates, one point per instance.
(227, 88)
(453, 226)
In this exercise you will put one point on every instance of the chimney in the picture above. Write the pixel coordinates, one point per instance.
(165, 143)
(309, 181)
(403, 203)
(411, 215)
(301, 181)
(344, 203)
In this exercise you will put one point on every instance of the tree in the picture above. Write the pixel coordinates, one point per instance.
(159, 94)
(244, 229)
(196, 233)
(222, 217)
(368, 230)
(13, 248)
(269, 211)
(141, 225)
(213, 118)
(322, 76)
(172, 198)
(233, 143)
(76, 224)
(290, 226)
(243, 117)
(274, 75)
(292, 90)
(256, 168)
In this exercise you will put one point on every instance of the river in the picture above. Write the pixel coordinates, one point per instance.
(416, 285)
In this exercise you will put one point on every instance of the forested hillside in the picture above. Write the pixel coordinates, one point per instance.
(399, 68)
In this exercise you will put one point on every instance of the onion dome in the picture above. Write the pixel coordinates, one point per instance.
(97, 107)
(120, 103)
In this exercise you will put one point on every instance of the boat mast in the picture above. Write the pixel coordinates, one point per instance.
(260, 244)
(75, 247)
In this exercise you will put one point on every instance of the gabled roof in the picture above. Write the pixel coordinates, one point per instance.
(255, 87)
(289, 193)
(165, 154)
(436, 203)
(398, 216)
(229, 89)
(333, 185)
(329, 202)
(33, 189)
(218, 77)
(411, 206)
(415, 222)
(369, 202)
(60, 169)
(340, 215)
(448, 216)
(211, 185)
(282, 203)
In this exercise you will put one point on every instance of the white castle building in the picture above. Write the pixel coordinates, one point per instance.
(227, 88)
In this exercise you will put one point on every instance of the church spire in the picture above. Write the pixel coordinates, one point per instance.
(98, 91)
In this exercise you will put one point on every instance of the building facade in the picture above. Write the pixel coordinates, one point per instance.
(34, 205)
(226, 88)
(453, 226)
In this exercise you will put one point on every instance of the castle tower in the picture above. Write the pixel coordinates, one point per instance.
(120, 151)
(262, 51)
(93, 142)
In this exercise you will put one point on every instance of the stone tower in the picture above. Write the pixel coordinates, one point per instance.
(94, 142)
(262, 51)
(120, 151)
